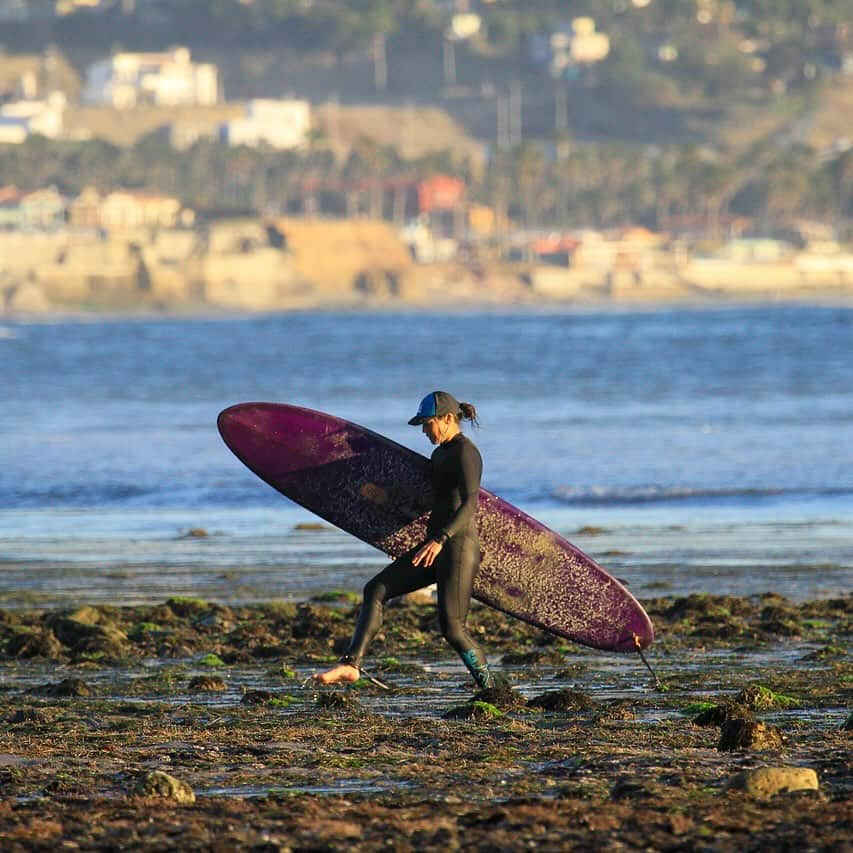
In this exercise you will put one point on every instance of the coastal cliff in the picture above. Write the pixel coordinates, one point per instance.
(289, 264)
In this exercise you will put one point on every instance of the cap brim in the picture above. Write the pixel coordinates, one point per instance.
(417, 420)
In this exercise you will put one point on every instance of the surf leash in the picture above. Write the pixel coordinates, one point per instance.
(373, 680)
(659, 685)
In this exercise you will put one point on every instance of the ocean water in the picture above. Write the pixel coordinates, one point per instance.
(688, 450)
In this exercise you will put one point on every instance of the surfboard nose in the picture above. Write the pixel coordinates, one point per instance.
(240, 418)
(228, 423)
(240, 424)
(229, 418)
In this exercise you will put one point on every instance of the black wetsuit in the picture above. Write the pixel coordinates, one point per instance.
(455, 468)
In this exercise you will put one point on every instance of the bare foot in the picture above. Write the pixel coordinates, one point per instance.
(341, 672)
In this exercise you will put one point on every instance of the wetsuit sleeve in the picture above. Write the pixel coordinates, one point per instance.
(471, 470)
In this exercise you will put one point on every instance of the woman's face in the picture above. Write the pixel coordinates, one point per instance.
(438, 429)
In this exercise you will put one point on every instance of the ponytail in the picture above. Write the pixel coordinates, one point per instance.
(468, 413)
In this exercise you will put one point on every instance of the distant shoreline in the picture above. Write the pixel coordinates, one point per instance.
(734, 300)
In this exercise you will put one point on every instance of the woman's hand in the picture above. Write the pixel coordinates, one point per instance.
(427, 553)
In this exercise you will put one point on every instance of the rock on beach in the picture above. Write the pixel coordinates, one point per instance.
(746, 734)
(160, 784)
(765, 782)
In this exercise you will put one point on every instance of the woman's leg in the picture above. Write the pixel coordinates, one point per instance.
(396, 579)
(455, 577)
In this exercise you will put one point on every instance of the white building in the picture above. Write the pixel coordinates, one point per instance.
(464, 26)
(20, 119)
(128, 80)
(69, 7)
(278, 123)
(572, 45)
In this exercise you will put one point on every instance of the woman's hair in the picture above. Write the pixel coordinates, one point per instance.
(468, 413)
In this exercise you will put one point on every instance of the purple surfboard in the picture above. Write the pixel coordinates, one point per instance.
(379, 491)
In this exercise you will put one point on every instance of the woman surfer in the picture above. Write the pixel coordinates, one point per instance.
(448, 558)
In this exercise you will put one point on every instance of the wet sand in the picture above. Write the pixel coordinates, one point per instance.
(582, 750)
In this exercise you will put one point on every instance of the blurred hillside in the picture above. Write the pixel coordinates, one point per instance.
(690, 109)
(674, 71)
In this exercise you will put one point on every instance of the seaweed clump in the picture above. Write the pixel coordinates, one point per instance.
(564, 700)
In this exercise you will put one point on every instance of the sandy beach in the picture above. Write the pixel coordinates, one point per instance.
(584, 751)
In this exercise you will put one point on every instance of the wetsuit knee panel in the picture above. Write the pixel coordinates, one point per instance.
(374, 590)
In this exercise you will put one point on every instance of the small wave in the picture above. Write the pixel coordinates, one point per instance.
(599, 496)
(7, 334)
(70, 496)
(126, 495)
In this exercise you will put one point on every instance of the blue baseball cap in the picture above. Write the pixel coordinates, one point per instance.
(434, 405)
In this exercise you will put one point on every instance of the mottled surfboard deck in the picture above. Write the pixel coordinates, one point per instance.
(379, 491)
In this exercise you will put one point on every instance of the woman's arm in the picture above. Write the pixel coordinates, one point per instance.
(471, 465)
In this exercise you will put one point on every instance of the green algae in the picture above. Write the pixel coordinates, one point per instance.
(186, 601)
(475, 710)
(826, 652)
(211, 659)
(337, 595)
(761, 698)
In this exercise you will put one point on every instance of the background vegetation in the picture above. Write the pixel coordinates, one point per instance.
(744, 119)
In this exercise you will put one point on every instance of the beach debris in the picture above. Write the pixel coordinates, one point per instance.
(474, 710)
(216, 617)
(559, 780)
(30, 715)
(268, 699)
(591, 530)
(760, 698)
(337, 596)
(68, 687)
(625, 789)
(501, 695)
(87, 630)
(184, 606)
(316, 622)
(160, 784)
(563, 700)
(746, 734)
(35, 643)
(615, 711)
(782, 621)
(207, 684)
(196, 533)
(419, 597)
(337, 700)
(175, 650)
(256, 697)
(393, 665)
(828, 651)
(779, 616)
(756, 697)
(765, 782)
(717, 715)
